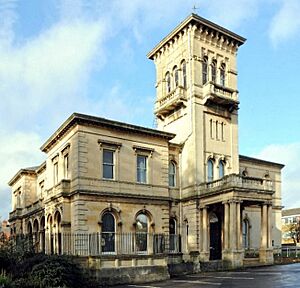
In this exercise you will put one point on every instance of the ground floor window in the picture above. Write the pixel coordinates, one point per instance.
(141, 233)
(108, 233)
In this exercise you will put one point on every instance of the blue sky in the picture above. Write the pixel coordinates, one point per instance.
(63, 56)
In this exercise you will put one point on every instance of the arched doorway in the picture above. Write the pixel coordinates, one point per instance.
(108, 233)
(215, 237)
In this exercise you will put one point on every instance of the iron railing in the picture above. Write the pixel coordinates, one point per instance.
(100, 244)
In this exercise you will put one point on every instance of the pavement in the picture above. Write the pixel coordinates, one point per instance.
(259, 277)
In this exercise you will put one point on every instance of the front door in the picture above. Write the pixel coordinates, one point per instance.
(215, 237)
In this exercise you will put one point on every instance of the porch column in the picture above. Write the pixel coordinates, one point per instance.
(266, 251)
(233, 225)
(238, 224)
(226, 225)
(204, 254)
(264, 223)
(205, 229)
(200, 230)
(269, 243)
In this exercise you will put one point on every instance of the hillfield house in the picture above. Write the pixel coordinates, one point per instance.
(127, 195)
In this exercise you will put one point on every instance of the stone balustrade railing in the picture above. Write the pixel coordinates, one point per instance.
(236, 181)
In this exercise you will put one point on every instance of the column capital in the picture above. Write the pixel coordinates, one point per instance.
(203, 207)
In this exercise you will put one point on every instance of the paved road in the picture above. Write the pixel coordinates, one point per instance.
(261, 277)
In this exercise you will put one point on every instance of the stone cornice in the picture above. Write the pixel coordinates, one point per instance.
(88, 120)
(204, 25)
(259, 161)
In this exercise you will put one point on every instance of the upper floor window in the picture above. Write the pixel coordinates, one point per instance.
(221, 169)
(168, 82)
(172, 174)
(55, 173)
(108, 164)
(176, 76)
(141, 169)
(66, 166)
(222, 74)
(204, 70)
(210, 170)
(214, 71)
(184, 82)
(55, 169)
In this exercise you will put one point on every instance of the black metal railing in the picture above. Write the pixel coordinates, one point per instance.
(101, 244)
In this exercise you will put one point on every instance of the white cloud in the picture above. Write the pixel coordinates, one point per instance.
(288, 155)
(54, 67)
(286, 23)
(18, 150)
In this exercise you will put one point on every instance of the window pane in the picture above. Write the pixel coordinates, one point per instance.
(221, 169)
(108, 171)
(210, 170)
(108, 223)
(108, 233)
(141, 169)
(142, 223)
(141, 232)
(108, 156)
(172, 174)
(108, 164)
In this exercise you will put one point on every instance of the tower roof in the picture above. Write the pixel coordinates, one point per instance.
(201, 23)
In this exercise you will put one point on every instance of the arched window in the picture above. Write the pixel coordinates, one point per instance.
(221, 169)
(183, 67)
(210, 170)
(172, 174)
(176, 76)
(108, 233)
(214, 71)
(204, 70)
(222, 74)
(141, 232)
(173, 237)
(168, 82)
(246, 234)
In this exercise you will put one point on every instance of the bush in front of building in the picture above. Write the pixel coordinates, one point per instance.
(26, 269)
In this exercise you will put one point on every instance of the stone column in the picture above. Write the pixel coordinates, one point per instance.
(232, 225)
(269, 243)
(264, 223)
(204, 255)
(266, 251)
(200, 230)
(205, 230)
(238, 225)
(226, 226)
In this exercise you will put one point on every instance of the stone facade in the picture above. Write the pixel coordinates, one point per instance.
(111, 189)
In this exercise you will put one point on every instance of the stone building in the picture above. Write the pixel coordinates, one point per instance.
(291, 226)
(180, 192)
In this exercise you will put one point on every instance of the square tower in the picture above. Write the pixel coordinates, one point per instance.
(197, 97)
